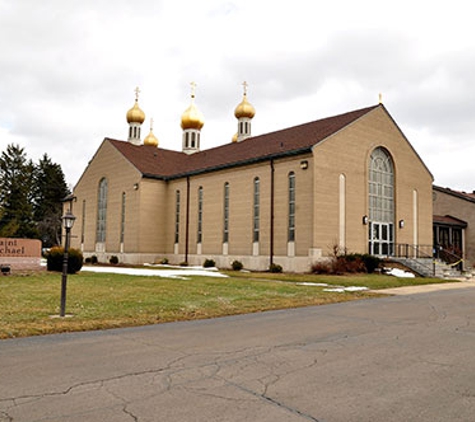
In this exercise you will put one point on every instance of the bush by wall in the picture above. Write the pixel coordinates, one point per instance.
(275, 268)
(54, 260)
(209, 263)
(237, 265)
(348, 263)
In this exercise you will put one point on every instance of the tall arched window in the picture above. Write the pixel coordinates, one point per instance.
(122, 219)
(381, 203)
(226, 213)
(177, 217)
(83, 223)
(199, 238)
(291, 224)
(256, 211)
(101, 211)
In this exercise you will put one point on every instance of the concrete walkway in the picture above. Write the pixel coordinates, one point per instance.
(409, 290)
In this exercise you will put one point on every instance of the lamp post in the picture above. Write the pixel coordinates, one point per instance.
(68, 223)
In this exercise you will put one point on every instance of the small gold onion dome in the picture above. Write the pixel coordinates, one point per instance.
(235, 137)
(135, 114)
(244, 109)
(151, 139)
(192, 118)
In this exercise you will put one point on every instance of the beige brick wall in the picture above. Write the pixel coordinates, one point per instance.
(348, 152)
(121, 177)
(241, 182)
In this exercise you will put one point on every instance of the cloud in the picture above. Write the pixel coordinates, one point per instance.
(69, 70)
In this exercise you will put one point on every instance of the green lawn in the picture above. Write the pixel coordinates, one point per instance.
(29, 303)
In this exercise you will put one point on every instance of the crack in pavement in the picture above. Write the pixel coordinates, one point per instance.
(5, 417)
(275, 402)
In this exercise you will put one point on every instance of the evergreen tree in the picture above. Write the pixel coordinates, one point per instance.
(49, 188)
(16, 177)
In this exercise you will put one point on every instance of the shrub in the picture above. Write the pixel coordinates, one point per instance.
(275, 268)
(164, 261)
(348, 263)
(114, 260)
(321, 268)
(184, 264)
(237, 265)
(371, 262)
(209, 263)
(54, 260)
(94, 259)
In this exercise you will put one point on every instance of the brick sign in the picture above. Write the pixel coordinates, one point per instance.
(24, 254)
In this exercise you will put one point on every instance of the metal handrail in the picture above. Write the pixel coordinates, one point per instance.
(448, 256)
(406, 250)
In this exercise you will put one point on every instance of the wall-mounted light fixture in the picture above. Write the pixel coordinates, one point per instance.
(365, 220)
(401, 224)
(136, 186)
(304, 165)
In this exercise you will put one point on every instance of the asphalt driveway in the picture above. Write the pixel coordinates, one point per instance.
(409, 357)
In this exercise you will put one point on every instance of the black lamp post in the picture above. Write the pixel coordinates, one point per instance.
(68, 223)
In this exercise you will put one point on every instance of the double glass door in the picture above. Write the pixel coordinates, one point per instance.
(381, 239)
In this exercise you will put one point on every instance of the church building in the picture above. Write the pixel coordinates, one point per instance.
(289, 197)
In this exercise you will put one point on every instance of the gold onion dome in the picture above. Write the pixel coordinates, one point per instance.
(235, 137)
(192, 118)
(151, 139)
(135, 114)
(244, 109)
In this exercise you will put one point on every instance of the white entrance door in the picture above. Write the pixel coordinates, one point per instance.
(381, 239)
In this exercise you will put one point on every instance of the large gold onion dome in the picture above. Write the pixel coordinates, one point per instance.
(135, 114)
(192, 118)
(244, 109)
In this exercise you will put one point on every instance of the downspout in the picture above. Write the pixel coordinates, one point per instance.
(271, 258)
(187, 222)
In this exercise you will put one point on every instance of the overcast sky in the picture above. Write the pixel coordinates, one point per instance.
(69, 68)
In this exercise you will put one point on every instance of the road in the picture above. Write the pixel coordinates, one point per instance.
(398, 358)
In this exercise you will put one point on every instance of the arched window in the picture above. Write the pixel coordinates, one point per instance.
(256, 211)
(122, 219)
(101, 211)
(226, 213)
(291, 223)
(83, 223)
(199, 238)
(381, 203)
(177, 217)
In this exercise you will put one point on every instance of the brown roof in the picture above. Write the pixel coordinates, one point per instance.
(458, 194)
(166, 164)
(448, 220)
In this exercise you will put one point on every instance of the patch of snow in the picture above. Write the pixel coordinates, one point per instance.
(396, 272)
(346, 289)
(180, 272)
(356, 288)
(338, 289)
